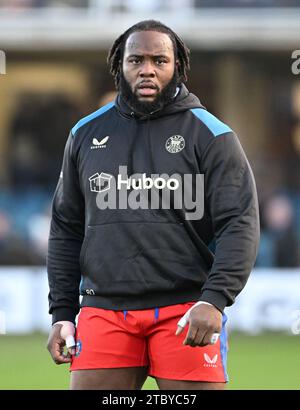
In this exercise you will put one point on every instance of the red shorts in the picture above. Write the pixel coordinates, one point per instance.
(111, 339)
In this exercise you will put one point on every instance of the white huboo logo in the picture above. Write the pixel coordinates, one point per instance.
(100, 182)
(210, 362)
(154, 192)
(100, 144)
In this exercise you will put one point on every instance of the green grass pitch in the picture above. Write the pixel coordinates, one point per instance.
(268, 361)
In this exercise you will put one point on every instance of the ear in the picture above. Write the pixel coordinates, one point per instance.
(177, 65)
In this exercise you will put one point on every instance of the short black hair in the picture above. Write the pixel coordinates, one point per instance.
(181, 51)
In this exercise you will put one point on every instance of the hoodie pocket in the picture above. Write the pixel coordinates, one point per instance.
(136, 258)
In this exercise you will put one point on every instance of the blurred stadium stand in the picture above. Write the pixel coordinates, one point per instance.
(93, 24)
(56, 73)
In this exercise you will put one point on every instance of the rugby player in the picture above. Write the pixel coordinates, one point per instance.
(154, 277)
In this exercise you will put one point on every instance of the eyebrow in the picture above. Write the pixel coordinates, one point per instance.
(152, 55)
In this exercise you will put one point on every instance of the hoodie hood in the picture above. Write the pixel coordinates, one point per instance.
(183, 101)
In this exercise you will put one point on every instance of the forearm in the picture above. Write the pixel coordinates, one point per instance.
(235, 255)
(232, 198)
(64, 278)
(65, 241)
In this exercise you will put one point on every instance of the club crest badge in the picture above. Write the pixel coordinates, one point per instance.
(175, 144)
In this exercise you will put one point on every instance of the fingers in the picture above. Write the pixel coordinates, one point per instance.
(184, 320)
(205, 324)
(70, 341)
(71, 345)
(200, 338)
(58, 355)
(56, 345)
(199, 333)
(193, 342)
(214, 338)
(179, 330)
(203, 339)
(206, 339)
(191, 335)
(72, 351)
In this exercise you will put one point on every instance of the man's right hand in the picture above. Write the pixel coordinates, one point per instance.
(57, 341)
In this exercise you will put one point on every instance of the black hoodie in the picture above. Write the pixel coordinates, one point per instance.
(137, 254)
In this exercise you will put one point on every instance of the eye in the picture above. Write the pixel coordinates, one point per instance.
(135, 60)
(161, 61)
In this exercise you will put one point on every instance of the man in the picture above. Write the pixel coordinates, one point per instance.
(146, 268)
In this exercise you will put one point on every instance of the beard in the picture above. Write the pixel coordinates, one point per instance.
(164, 97)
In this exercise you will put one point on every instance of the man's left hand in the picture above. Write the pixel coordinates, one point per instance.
(204, 321)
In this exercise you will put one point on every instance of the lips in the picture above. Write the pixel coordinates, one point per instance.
(147, 89)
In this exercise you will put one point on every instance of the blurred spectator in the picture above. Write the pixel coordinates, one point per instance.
(279, 242)
(13, 249)
(38, 229)
(39, 130)
(24, 226)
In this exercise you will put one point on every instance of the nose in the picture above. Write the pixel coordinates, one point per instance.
(147, 69)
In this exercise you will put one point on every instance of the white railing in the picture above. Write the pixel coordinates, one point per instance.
(270, 301)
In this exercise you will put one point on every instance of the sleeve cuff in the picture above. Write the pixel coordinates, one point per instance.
(215, 298)
(63, 314)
